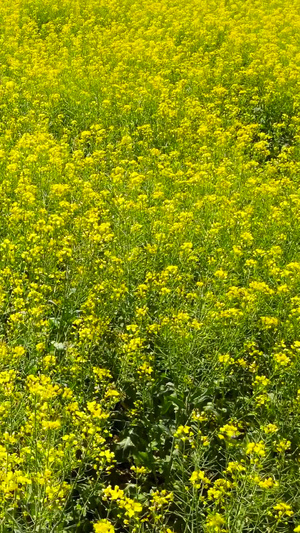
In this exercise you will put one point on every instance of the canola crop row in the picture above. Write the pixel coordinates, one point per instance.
(149, 266)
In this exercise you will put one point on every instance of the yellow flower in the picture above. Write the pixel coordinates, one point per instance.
(261, 381)
(113, 493)
(103, 526)
(256, 448)
(266, 483)
(269, 322)
(131, 507)
(270, 428)
(282, 359)
(215, 522)
(282, 510)
(234, 467)
(139, 470)
(229, 431)
(199, 476)
(160, 499)
(283, 445)
(221, 488)
(183, 433)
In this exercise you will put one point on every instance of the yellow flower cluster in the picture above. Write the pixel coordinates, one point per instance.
(104, 526)
(149, 265)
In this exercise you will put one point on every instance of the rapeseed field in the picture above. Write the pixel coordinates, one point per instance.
(149, 266)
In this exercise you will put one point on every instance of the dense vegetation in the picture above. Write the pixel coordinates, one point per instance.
(149, 266)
